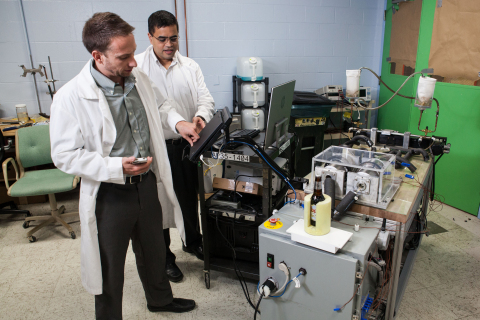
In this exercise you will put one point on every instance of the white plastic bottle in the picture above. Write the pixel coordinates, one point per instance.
(250, 68)
(253, 94)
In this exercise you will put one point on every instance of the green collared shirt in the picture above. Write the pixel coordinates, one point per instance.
(128, 112)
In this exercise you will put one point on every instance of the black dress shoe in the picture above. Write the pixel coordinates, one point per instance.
(174, 274)
(178, 305)
(197, 250)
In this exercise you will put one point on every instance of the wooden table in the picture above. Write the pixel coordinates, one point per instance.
(10, 133)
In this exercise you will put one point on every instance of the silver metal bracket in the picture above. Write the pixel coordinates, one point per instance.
(281, 128)
(406, 139)
(32, 71)
(359, 275)
(373, 136)
(354, 317)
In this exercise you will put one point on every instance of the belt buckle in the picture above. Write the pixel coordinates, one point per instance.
(133, 182)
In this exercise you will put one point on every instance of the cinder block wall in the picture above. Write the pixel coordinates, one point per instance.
(311, 41)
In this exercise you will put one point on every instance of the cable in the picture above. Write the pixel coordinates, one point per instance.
(396, 92)
(285, 289)
(237, 270)
(256, 308)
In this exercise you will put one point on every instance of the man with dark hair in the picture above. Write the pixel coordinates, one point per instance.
(101, 122)
(180, 79)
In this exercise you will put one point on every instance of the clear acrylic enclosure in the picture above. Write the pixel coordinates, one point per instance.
(370, 174)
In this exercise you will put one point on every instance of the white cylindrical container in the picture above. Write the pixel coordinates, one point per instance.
(253, 95)
(353, 83)
(253, 119)
(425, 89)
(22, 113)
(250, 68)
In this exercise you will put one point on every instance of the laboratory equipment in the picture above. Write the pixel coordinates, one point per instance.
(331, 280)
(238, 105)
(332, 92)
(424, 98)
(353, 83)
(253, 119)
(252, 172)
(253, 94)
(22, 113)
(370, 175)
(250, 68)
(387, 139)
(365, 93)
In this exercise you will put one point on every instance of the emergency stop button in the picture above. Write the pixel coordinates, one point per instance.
(273, 221)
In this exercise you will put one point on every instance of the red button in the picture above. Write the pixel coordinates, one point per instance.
(273, 221)
(269, 264)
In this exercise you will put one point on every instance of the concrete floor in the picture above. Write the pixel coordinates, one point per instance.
(42, 280)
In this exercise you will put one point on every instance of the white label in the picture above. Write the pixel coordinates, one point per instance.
(231, 156)
(386, 132)
(313, 213)
(284, 146)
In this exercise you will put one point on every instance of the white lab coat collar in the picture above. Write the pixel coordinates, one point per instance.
(89, 89)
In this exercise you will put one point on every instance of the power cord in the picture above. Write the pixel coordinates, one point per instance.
(258, 305)
(239, 274)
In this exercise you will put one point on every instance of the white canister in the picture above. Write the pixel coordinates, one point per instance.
(253, 95)
(250, 68)
(353, 83)
(253, 119)
(425, 89)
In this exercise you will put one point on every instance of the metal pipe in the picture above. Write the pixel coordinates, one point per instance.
(186, 30)
(175, 1)
(30, 53)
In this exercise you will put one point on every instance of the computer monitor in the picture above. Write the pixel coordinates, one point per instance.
(209, 134)
(279, 113)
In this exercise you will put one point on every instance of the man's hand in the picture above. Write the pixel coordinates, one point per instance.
(199, 124)
(135, 169)
(187, 131)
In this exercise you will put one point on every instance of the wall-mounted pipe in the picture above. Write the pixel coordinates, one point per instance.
(186, 29)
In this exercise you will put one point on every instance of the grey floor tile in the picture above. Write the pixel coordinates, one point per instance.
(472, 317)
(461, 296)
(421, 304)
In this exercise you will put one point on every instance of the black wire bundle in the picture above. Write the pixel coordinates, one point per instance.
(239, 274)
(256, 308)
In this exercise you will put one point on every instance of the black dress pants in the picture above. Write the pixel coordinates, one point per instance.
(124, 212)
(184, 174)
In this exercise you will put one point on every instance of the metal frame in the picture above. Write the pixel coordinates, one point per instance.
(400, 280)
(225, 265)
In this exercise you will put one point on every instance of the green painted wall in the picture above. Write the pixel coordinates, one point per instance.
(458, 173)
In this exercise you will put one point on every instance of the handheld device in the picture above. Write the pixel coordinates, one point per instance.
(140, 160)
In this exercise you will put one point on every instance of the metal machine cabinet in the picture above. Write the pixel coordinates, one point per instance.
(269, 202)
(331, 279)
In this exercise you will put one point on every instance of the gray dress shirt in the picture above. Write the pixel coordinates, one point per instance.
(128, 112)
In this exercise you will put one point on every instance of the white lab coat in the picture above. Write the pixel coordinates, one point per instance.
(202, 99)
(82, 134)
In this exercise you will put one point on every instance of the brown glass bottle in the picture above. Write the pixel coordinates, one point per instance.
(316, 198)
